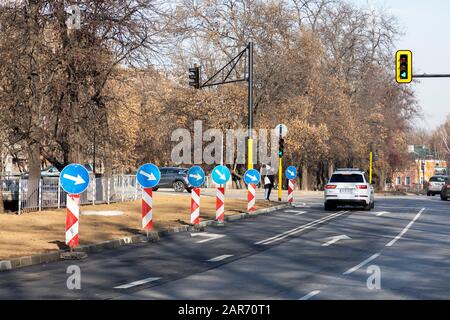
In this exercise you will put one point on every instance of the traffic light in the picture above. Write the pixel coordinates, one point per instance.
(403, 63)
(194, 77)
(280, 147)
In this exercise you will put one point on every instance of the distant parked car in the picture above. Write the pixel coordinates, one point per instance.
(445, 191)
(174, 177)
(435, 185)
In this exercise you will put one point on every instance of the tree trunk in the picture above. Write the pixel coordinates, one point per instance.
(2, 207)
(305, 178)
(34, 175)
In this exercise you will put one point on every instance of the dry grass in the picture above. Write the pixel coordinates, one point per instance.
(40, 232)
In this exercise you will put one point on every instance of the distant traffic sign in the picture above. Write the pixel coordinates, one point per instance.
(196, 176)
(252, 176)
(74, 178)
(281, 128)
(291, 172)
(221, 175)
(148, 175)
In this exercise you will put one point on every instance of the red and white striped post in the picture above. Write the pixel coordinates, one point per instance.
(251, 195)
(147, 208)
(195, 206)
(220, 204)
(291, 191)
(72, 220)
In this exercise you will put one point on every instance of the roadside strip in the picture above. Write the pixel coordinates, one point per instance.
(21, 262)
(309, 225)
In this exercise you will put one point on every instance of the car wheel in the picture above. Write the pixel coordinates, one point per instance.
(372, 206)
(367, 207)
(178, 186)
(444, 197)
(428, 194)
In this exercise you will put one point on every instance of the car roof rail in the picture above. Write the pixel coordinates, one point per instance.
(349, 169)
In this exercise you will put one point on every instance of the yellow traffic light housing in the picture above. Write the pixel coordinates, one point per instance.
(403, 66)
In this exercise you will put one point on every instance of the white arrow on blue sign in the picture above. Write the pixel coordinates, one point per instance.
(291, 172)
(221, 175)
(252, 176)
(74, 178)
(196, 176)
(148, 175)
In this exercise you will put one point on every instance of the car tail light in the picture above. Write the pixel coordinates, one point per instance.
(330, 186)
(361, 186)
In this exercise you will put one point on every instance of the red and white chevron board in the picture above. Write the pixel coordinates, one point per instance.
(220, 204)
(291, 191)
(195, 206)
(251, 194)
(72, 219)
(147, 208)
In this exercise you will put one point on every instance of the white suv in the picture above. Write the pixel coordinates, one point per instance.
(435, 185)
(349, 187)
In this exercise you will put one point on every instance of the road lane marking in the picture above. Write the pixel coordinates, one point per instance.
(381, 213)
(209, 236)
(288, 233)
(362, 264)
(335, 239)
(137, 283)
(390, 244)
(300, 213)
(310, 295)
(292, 211)
(220, 258)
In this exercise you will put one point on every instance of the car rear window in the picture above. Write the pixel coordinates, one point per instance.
(437, 179)
(352, 178)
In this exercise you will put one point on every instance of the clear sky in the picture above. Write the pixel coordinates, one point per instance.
(426, 28)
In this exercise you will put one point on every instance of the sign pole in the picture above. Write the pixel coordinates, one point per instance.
(147, 209)
(73, 179)
(251, 194)
(195, 206)
(220, 205)
(291, 191)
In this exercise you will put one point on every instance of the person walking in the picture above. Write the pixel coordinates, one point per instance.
(269, 177)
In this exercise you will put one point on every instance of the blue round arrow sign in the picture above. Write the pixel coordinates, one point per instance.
(74, 178)
(196, 176)
(252, 176)
(221, 175)
(291, 172)
(148, 175)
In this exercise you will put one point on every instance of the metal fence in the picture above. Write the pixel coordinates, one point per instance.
(35, 195)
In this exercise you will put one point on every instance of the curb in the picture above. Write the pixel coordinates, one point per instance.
(116, 243)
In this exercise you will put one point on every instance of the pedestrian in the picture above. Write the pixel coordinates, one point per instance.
(268, 180)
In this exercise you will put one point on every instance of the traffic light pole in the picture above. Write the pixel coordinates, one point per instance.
(280, 171)
(250, 106)
(195, 76)
(431, 76)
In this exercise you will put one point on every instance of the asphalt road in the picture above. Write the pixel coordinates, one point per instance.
(401, 249)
